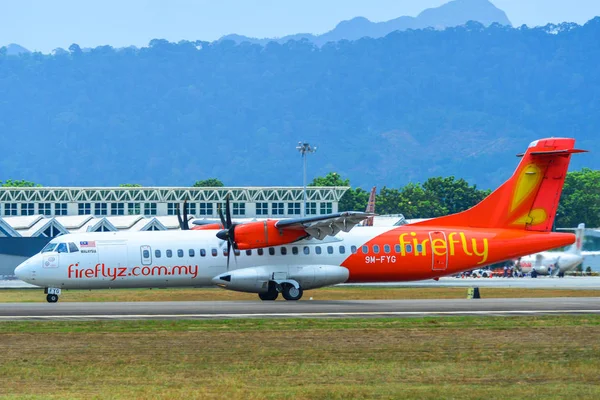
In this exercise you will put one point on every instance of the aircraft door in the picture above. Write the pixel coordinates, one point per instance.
(439, 251)
(146, 255)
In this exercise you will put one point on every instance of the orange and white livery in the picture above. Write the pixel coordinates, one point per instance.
(290, 256)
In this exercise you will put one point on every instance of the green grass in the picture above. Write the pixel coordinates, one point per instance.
(425, 358)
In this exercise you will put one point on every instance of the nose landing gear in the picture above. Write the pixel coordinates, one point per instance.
(52, 298)
(52, 294)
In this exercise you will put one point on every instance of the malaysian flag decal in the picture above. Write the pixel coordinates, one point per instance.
(86, 243)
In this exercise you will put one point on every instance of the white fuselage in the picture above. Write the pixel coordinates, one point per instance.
(550, 262)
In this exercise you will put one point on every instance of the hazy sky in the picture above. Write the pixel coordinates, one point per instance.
(47, 24)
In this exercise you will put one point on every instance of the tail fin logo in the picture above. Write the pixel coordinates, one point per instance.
(527, 184)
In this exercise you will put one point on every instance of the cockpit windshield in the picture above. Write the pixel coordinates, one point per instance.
(49, 247)
(58, 247)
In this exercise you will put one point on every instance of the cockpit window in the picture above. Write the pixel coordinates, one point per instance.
(49, 247)
(73, 248)
(62, 248)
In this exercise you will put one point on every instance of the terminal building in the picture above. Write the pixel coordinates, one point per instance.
(30, 217)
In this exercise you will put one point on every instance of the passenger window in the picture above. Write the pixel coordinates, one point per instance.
(225, 252)
(157, 253)
(365, 249)
(192, 253)
(329, 249)
(62, 248)
(236, 252)
(202, 253)
(397, 248)
(73, 248)
(179, 253)
(146, 254)
(248, 252)
(271, 251)
(169, 254)
(294, 250)
(376, 249)
(213, 251)
(408, 248)
(260, 252)
(306, 250)
(283, 251)
(318, 249)
(386, 248)
(353, 249)
(342, 250)
(419, 248)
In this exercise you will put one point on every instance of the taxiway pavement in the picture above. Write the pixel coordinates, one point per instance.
(300, 309)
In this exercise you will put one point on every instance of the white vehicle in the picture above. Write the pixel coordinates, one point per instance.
(556, 262)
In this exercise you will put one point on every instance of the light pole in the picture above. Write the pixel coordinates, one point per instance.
(305, 148)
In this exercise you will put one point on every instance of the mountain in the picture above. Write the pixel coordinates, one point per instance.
(14, 50)
(388, 111)
(454, 13)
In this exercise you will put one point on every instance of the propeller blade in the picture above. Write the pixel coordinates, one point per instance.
(228, 253)
(178, 213)
(186, 224)
(228, 212)
(221, 216)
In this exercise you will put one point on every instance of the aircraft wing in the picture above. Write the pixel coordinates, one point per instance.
(590, 253)
(321, 226)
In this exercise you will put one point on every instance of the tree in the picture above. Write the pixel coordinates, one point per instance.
(130, 185)
(352, 200)
(210, 182)
(454, 195)
(75, 49)
(331, 179)
(18, 183)
(580, 200)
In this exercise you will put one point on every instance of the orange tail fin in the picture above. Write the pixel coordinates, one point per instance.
(529, 199)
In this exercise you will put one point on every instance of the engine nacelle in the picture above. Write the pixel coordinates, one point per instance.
(256, 279)
(210, 226)
(254, 235)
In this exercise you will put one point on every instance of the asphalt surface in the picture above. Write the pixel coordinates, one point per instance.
(542, 282)
(300, 309)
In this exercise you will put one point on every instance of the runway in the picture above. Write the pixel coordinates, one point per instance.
(301, 309)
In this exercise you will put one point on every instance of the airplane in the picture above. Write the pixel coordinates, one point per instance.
(294, 255)
(556, 262)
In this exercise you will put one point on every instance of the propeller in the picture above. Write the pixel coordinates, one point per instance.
(228, 233)
(183, 222)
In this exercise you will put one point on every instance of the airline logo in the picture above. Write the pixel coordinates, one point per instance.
(478, 248)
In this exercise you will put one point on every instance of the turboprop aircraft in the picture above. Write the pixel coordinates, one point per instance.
(557, 262)
(290, 256)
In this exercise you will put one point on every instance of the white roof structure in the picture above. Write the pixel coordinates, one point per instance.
(161, 201)
(35, 225)
(6, 230)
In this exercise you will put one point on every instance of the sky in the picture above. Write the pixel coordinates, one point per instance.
(44, 25)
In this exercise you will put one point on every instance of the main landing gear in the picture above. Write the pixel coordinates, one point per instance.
(52, 294)
(288, 290)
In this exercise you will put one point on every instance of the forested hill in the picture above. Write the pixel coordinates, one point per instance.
(453, 13)
(386, 111)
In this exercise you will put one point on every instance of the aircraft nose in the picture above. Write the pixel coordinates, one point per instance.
(23, 270)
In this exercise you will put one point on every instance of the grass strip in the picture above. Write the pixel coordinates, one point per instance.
(427, 358)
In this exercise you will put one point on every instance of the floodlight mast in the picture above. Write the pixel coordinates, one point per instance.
(304, 148)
